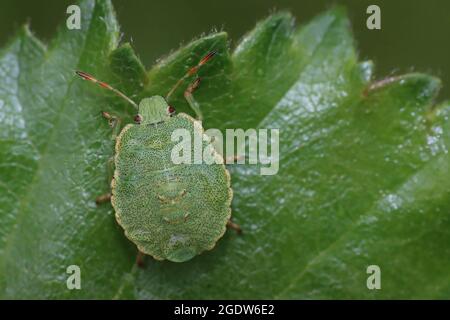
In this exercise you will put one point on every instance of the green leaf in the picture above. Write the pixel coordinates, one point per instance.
(364, 173)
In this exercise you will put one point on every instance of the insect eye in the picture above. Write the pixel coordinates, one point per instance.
(137, 118)
(171, 110)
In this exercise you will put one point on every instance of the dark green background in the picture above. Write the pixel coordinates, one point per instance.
(415, 35)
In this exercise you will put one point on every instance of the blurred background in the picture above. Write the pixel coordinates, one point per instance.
(415, 34)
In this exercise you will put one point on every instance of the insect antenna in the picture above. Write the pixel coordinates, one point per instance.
(190, 72)
(87, 76)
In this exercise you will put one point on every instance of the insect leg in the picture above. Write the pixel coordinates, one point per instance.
(110, 169)
(233, 159)
(114, 123)
(234, 226)
(103, 198)
(191, 72)
(140, 259)
(190, 98)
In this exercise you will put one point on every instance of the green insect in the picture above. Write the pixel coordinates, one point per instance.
(169, 211)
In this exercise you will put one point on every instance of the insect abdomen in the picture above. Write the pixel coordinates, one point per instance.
(169, 211)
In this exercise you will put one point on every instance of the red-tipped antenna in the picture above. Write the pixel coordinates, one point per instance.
(87, 76)
(191, 71)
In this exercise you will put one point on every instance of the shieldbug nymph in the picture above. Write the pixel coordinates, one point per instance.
(168, 211)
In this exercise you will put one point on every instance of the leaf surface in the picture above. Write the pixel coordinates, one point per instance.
(363, 172)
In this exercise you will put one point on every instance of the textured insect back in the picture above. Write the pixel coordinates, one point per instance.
(170, 211)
